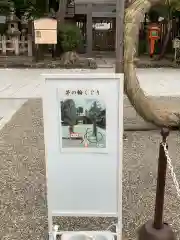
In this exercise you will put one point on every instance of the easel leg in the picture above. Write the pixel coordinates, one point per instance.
(119, 229)
(50, 225)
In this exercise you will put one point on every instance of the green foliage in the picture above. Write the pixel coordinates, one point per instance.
(69, 37)
(142, 46)
(170, 8)
(175, 5)
(153, 15)
(35, 9)
(161, 10)
(68, 112)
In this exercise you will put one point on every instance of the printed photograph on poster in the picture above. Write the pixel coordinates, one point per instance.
(83, 123)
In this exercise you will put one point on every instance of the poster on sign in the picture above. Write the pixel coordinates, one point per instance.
(82, 114)
(83, 122)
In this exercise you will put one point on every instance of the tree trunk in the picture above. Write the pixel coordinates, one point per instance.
(166, 40)
(61, 13)
(145, 106)
(94, 128)
(168, 34)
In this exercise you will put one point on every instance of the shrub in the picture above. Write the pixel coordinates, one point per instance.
(69, 37)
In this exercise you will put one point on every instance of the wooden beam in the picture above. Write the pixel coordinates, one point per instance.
(120, 5)
(89, 29)
(104, 14)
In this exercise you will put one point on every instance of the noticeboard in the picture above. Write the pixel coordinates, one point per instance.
(83, 126)
(45, 31)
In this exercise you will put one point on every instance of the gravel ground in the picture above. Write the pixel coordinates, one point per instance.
(23, 208)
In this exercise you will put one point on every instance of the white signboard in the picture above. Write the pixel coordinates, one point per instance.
(83, 125)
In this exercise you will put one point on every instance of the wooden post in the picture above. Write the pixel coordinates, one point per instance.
(54, 51)
(30, 54)
(16, 45)
(120, 36)
(89, 29)
(23, 43)
(34, 48)
(4, 45)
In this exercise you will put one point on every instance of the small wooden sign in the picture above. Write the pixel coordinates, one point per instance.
(45, 31)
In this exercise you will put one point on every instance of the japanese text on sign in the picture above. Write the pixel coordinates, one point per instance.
(79, 92)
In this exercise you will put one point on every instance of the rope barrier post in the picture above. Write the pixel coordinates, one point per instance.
(161, 179)
(156, 229)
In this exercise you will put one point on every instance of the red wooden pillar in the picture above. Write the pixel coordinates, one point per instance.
(154, 35)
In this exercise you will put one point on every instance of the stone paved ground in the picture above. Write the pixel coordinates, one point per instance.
(23, 207)
(28, 83)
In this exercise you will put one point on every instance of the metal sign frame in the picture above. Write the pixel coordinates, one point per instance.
(53, 82)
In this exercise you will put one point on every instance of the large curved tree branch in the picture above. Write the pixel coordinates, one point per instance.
(145, 106)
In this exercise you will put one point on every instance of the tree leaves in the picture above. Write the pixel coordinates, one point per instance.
(174, 4)
(34, 8)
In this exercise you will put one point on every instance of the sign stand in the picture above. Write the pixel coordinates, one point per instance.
(83, 130)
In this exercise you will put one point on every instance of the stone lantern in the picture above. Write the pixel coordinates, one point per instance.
(13, 31)
(12, 21)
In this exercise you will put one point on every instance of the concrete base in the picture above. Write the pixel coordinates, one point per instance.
(88, 235)
(147, 232)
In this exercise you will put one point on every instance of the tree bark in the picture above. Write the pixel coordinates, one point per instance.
(145, 106)
(61, 13)
(168, 34)
(166, 40)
